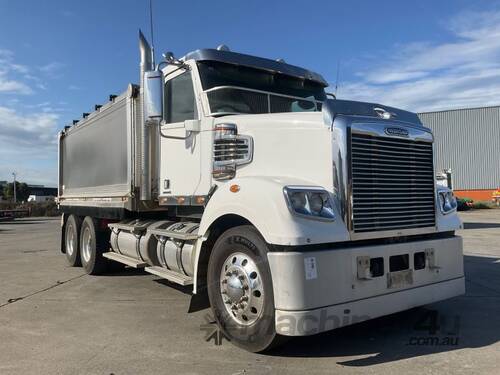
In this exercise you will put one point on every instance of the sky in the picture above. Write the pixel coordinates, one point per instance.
(60, 58)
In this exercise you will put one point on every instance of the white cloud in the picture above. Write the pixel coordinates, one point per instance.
(14, 87)
(53, 69)
(19, 68)
(428, 76)
(31, 132)
(28, 131)
(7, 83)
(28, 144)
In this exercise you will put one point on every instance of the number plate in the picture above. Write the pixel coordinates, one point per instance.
(399, 279)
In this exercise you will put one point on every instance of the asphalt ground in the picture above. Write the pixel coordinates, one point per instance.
(54, 319)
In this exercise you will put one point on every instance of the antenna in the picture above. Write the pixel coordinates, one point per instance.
(337, 79)
(151, 29)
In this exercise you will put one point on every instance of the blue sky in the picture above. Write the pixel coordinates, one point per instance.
(59, 58)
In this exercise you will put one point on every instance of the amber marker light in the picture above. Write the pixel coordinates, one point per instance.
(234, 188)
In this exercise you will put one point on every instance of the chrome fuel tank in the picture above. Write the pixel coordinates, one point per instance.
(128, 240)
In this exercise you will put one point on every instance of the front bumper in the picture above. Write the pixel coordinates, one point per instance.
(316, 291)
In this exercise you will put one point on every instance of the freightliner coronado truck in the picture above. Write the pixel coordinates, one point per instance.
(237, 176)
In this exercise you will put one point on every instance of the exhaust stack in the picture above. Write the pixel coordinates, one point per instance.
(147, 64)
(147, 59)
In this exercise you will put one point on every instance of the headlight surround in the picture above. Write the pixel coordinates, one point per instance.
(447, 201)
(311, 203)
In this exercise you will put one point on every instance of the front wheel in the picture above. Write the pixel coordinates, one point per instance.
(92, 244)
(240, 289)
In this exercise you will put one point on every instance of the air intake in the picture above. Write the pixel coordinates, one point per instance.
(230, 150)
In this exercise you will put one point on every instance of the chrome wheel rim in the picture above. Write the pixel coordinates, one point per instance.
(86, 239)
(241, 289)
(70, 241)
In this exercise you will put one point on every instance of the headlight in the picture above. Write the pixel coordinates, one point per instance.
(309, 202)
(447, 201)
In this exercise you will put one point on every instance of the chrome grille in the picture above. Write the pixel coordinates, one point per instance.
(231, 149)
(392, 183)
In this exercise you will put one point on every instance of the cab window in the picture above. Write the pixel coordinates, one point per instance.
(180, 102)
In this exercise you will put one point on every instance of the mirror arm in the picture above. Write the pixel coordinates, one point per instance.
(174, 137)
(188, 132)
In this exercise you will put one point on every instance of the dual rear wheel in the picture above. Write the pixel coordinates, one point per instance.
(85, 243)
(71, 243)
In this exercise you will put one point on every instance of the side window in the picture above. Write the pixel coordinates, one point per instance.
(179, 99)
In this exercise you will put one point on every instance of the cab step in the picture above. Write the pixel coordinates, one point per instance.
(170, 275)
(132, 262)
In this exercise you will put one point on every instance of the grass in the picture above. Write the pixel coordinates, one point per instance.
(483, 205)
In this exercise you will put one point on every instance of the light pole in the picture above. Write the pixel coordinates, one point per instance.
(15, 197)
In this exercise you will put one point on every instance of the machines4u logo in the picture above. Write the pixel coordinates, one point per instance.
(437, 330)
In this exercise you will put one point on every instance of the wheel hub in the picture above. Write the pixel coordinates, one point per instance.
(235, 289)
(242, 289)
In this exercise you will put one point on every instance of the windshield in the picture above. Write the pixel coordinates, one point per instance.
(233, 89)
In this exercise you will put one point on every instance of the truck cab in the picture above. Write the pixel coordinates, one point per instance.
(294, 212)
(205, 89)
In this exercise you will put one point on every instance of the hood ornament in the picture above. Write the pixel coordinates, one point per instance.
(382, 113)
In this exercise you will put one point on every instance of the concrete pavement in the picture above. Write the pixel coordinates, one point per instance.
(54, 319)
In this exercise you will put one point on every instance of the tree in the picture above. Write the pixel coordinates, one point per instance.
(22, 191)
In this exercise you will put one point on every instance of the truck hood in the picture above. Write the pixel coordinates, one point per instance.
(292, 145)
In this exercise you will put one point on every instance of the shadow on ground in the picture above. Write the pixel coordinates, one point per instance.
(470, 321)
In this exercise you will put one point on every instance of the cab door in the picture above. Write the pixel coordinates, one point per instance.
(179, 147)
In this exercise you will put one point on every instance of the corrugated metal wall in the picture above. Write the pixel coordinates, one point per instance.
(468, 142)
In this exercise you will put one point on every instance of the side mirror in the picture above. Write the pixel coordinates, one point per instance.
(153, 95)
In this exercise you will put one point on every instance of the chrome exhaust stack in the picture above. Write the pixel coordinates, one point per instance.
(147, 65)
(147, 58)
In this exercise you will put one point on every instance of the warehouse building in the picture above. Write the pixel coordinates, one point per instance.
(467, 141)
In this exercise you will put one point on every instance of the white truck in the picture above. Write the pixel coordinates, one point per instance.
(238, 177)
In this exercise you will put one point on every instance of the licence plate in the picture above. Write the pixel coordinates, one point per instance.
(399, 279)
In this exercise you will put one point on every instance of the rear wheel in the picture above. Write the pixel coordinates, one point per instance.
(71, 242)
(92, 244)
(240, 289)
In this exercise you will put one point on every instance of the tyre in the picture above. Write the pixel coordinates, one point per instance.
(92, 244)
(240, 289)
(71, 240)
